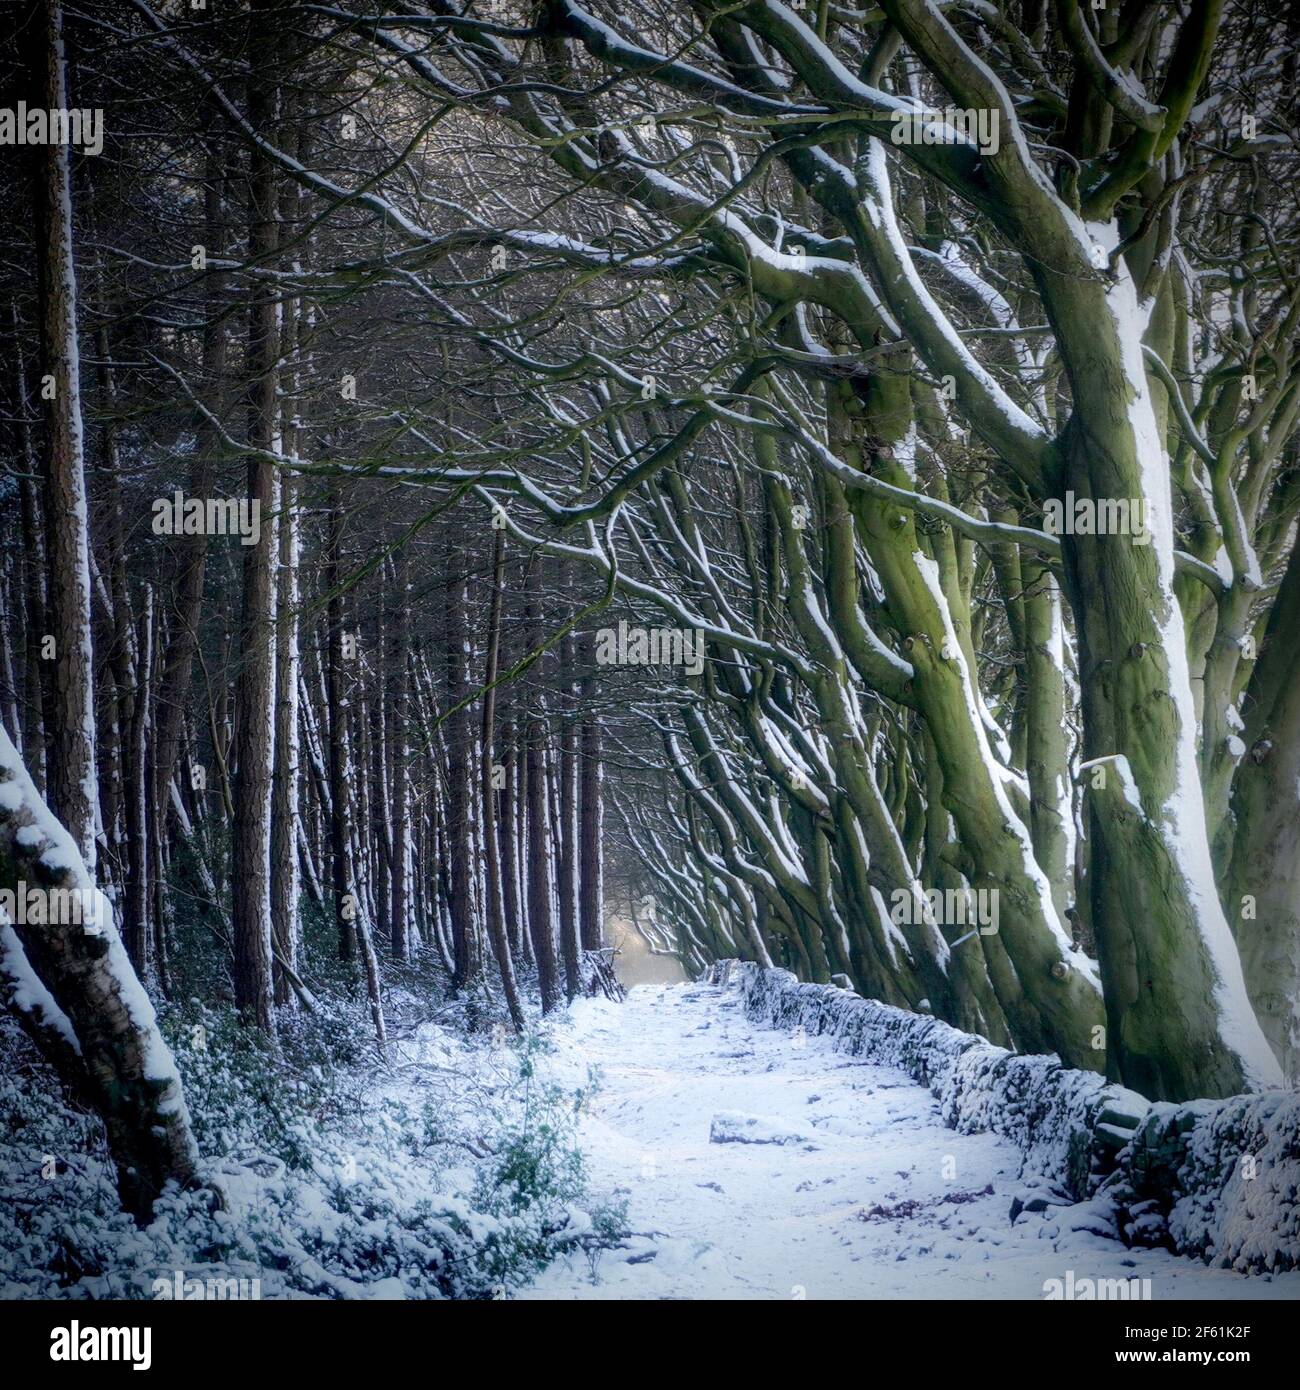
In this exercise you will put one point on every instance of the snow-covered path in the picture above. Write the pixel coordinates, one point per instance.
(866, 1195)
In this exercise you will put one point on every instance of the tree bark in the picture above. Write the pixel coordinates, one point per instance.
(71, 755)
(493, 886)
(340, 770)
(125, 1064)
(507, 835)
(568, 886)
(1047, 761)
(35, 676)
(400, 750)
(457, 837)
(254, 746)
(591, 820)
(1262, 883)
(541, 910)
(1180, 1022)
(191, 551)
(284, 804)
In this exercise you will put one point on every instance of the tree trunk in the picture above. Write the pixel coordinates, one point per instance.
(37, 685)
(1052, 1001)
(139, 844)
(1047, 761)
(191, 551)
(9, 712)
(130, 661)
(508, 802)
(457, 838)
(568, 885)
(590, 821)
(340, 770)
(1180, 1022)
(71, 757)
(355, 939)
(254, 749)
(35, 674)
(492, 866)
(1262, 883)
(541, 910)
(400, 752)
(284, 804)
(105, 1017)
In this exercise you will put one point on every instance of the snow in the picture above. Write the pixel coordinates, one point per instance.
(29, 837)
(880, 1201)
(759, 1155)
(880, 210)
(24, 989)
(735, 1127)
(339, 1181)
(1251, 1218)
(1123, 771)
(890, 929)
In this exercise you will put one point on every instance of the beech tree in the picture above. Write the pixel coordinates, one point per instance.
(822, 478)
(867, 302)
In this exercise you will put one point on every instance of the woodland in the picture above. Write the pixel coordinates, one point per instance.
(807, 483)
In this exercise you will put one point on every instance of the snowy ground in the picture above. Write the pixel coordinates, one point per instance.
(856, 1189)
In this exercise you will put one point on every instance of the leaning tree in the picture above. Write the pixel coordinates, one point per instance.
(815, 321)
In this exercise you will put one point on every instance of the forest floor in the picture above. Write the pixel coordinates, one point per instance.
(746, 1163)
(758, 1164)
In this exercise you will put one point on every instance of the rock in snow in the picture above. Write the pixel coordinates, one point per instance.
(731, 1127)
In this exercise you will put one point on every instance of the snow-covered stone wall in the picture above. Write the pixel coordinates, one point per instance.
(1216, 1179)
(1222, 1178)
